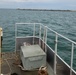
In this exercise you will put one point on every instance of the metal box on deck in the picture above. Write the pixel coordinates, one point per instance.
(32, 57)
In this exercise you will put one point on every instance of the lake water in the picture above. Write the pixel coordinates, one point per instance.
(60, 21)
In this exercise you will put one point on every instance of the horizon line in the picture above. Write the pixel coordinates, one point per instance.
(41, 9)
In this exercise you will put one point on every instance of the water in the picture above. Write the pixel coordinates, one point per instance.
(62, 22)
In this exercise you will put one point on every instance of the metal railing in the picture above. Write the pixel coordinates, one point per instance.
(45, 41)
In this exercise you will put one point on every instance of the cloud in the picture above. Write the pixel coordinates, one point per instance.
(72, 5)
(37, 0)
(7, 0)
(43, 1)
(25, 0)
(33, 1)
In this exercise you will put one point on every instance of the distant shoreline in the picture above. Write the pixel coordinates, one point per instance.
(43, 9)
(46, 10)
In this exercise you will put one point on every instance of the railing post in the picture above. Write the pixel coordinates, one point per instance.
(44, 34)
(72, 51)
(34, 34)
(40, 36)
(55, 62)
(15, 36)
(46, 41)
(45, 38)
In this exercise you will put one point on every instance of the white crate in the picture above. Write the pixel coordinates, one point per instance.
(32, 57)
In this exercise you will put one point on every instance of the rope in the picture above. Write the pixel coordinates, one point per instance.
(9, 67)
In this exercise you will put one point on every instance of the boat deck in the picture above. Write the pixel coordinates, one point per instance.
(10, 64)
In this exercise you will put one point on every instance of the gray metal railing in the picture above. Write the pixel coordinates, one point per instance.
(45, 41)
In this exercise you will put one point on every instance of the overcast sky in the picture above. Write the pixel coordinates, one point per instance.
(39, 4)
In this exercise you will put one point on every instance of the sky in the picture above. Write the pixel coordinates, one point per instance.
(39, 4)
